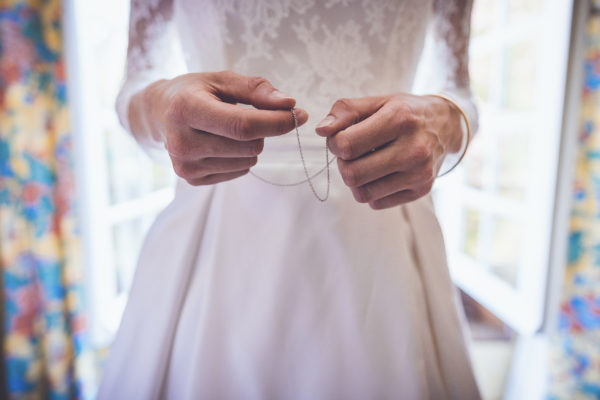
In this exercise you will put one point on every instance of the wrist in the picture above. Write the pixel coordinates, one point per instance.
(145, 112)
(453, 159)
(451, 130)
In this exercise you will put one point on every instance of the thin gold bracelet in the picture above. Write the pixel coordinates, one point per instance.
(464, 115)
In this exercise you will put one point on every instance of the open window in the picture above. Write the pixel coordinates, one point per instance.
(120, 188)
(497, 210)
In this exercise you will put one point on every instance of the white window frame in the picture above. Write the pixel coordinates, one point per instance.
(96, 215)
(523, 306)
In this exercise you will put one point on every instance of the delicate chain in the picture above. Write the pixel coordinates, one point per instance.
(319, 172)
(310, 183)
(308, 177)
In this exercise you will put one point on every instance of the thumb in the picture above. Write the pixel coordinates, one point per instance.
(347, 112)
(256, 91)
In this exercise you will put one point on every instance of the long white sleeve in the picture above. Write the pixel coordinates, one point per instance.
(444, 67)
(153, 53)
(451, 29)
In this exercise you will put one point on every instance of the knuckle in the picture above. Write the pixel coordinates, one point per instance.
(222, 77)
(376, 205)
(180, 169)
(420, 191)
(227, 74)
(253, 149)
(257, 147)
(421, 152)
(196, 181)
(257, 82)
(176, 146)
(425, 188)
(407, 119)
(427, 173)
(343, 104)
(344, 147)
(362, 194)
(202, 167)
(348, 174)
(176, 109)
(239, 127)
(410, 122)
(347, 106)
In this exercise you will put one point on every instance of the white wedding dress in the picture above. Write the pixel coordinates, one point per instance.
(246, 290)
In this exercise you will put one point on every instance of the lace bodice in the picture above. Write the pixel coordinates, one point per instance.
(316, 50)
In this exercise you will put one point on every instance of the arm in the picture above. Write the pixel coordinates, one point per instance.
(444, 68)
(152, 40)
(194, 116)
(401, 142)
(451, 28)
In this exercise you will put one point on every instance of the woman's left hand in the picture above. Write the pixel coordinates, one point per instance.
(390, 148)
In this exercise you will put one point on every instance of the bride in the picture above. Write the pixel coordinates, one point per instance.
(248, 286)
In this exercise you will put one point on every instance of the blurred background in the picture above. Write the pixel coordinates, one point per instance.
(520, 215)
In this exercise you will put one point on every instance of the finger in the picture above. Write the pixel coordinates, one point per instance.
(388, 185)
(257, 91)
(249, 124)
(206, 113)
(187, 144)
(346, 112)
(402, 197)
(211, 166)
(393, 200)
(384, 161)
(384, 126)
(217, 178)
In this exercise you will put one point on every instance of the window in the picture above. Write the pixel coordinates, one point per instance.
(121, 189)
(498, 225)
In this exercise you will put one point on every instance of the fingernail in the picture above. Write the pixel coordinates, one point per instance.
(328, 120)
(280, 95)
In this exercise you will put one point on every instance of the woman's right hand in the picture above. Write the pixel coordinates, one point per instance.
(209, 139)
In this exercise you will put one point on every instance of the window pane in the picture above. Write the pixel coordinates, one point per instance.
(513, 148)
(476, 161)
(484, 16)
(132, 174)
(520, 76)
(505, 250)
(471, 238)
(519, 9)
(127, 240)
(509, 159)
(481, 77)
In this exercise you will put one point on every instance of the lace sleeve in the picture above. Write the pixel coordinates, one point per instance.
(153, 53)
(447, 56)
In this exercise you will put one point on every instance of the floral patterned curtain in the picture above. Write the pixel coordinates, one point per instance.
(43, 347)
(576, 364)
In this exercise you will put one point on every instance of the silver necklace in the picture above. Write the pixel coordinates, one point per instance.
(309, 178)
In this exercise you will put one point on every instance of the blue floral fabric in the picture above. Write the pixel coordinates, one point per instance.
(44, 346)
(575, 368)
